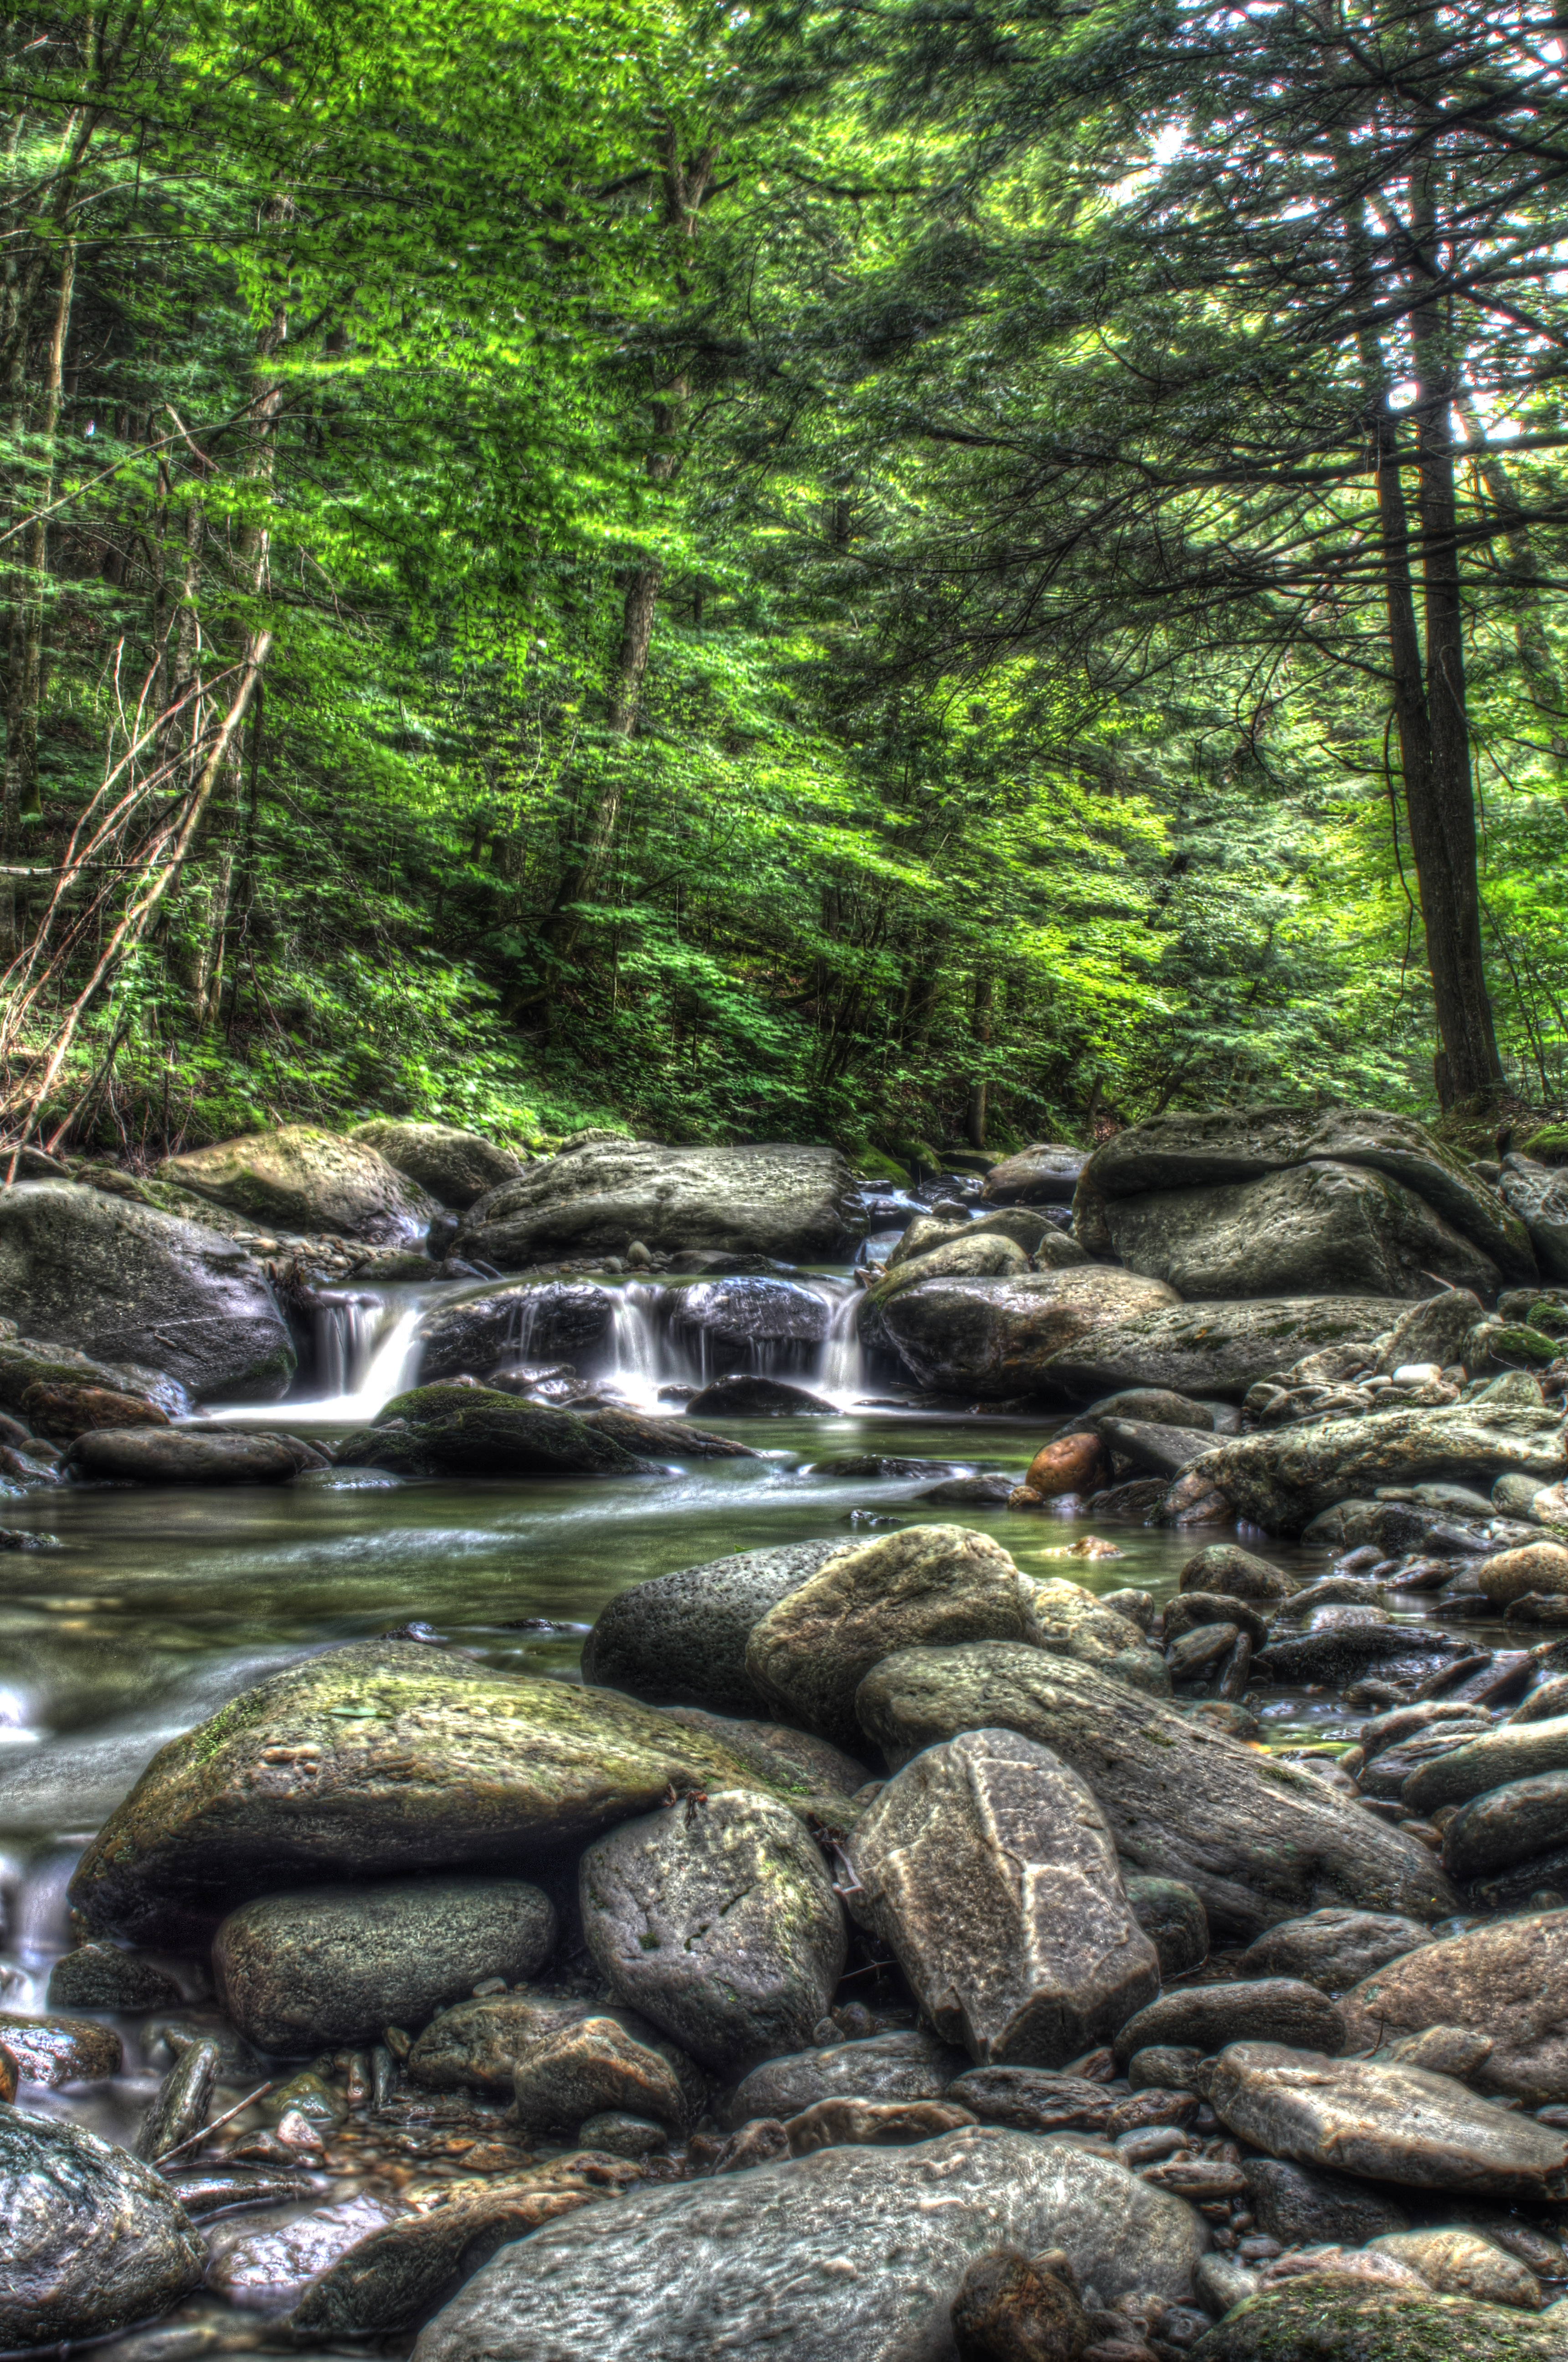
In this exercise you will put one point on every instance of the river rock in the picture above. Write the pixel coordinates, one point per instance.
(773, 1325)
(1046, 1959)
(1071, 1622)
(1436, 1329)
(1172, 1916)
(1324, 1226)
(850, 2254)
(973, 1254)
(1257, 1840)
(924, 1587)
(883, 2068)
(384, 1758)
(592, 2064)
(1518, 1750)
(1339, 2319)
(94, 2239)
(1190, 1610)
(307, 1180)
(477, 2045)
(1508, 1981)
(1341, 1651)
(680, 1638)
(265, 2270)
(528, 1320)
(796, 1203)
(1538, 1197)
(1333, 1949)
(56, 2050)
(994, 1337)
(744, 1393)
(1044, 1175)
(127, 1284)
(1271, 2009)
(1236, 1573)
(100, 1976)
(1035, 1232)
(1510, 1574)
(1506, 1826)
(762, 1745)
(1218, 1347)
(1282, 1477)
(1303, 2207)
(1157, 1450)
(1386, 2123)
(1010, 2307)
(62, 1413)
(186, 1455)
(391, 2278)
(303, 1972)
(1460, 2262)
(1186, 1151)
(720, 1923)
(452, 1166)
(447, 1431)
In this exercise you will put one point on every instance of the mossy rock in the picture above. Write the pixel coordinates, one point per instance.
(1519, 1346)
(1549, 1145)
(449, 1431)
(876, 1165)
(1345, 2319)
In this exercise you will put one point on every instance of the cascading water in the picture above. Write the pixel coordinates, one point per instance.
(842, 1375)
(367, 1351)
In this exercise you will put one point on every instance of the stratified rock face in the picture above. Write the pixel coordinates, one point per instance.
(771, 1199)
(720, 1923)
(1315, 2319)
(680, 1638)
(993, 1338)
(453, 1166)
(1257, 1840)
(924, 1587)
(299, 1972)
(1046, 1958)
(884, 2068)
(850, 2254)
(125, 1284)
(1216, 1347)
(1282, 1477)
(383, 1758)
(307, 1180)
(1386, 2123)
(93, 2239)
(1508, 1982)
(1044, 1175)
(1330, 1226)
(534, 1320)
(1538, 1197)
(1190, 1152)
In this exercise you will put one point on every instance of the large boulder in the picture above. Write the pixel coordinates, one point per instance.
(1213, 1348)
(924, 1587)
(1280, 1478)
(1386, 2122)
(307, 1970)
(1333, 2317)
(973, 1254)
(1184, 1151)
(1046, 1959)
(1257, 1840)
(1044, 1175)
(93, 2240)
(771, 1199)
(453, 1166)
(386, 1757)
(118, 1281)
(720, 1923)
(681, 1640)
(308, 1180)
(1508, 1981)
(1538, 1197)
(995, 1338)
(179, 1455)
(1324, 1226)
(531, 1320)
(848, 2255)
(447, 1431)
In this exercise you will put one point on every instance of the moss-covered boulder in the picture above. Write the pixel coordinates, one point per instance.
(384, 1759)
(308, 1180)
(1215, 1347)
(1338, 2318)
(450, 1430)
(455, 1166)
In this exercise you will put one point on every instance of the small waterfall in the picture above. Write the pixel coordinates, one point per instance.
(635, 1343)
(368, 1354)
(346, 1328)
(843, 1370)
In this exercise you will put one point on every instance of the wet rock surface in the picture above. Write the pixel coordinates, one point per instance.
(94, 2238)
(1508, 1981)
(883, 2068)
(682, 1639)
(772, 1199)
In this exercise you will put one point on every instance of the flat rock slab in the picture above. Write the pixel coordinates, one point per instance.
(449, 1431)
(1508, 1982)
(1258, 1840)
(178, 1455)
(302, 1971)
(1046, 1958)
(1342, 2320)
(386, 1757)
(94, 2238)
(884, 2067)
(680, 1638)
(767, 1199)
(850, 2254)
(1221, 1346)
(1386, 2123)
(265, 2270)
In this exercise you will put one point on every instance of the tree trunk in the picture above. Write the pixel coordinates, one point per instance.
(979, 1089)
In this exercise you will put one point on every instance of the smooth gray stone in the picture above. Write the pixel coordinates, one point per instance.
(769, 1198)
(680, 1639)
(848, 2255)
(1507, 1826)
(1343, 1650)
(1270, 2009)
(995, 1338)
(1172, 1916)
(452, 1165)
(94, 2238)
(1521, 1750)
(1333, 1949)
(1384, 2123)
(1508, 1981)
(1220, 1346)
(885, 2067)
(180, 2108)
(1303, 2206)
(300, 1972)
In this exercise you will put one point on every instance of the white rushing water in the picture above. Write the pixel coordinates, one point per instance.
(367, 1351)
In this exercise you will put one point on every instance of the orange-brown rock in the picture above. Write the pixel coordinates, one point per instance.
(64, 1412)
(1072, 1463)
